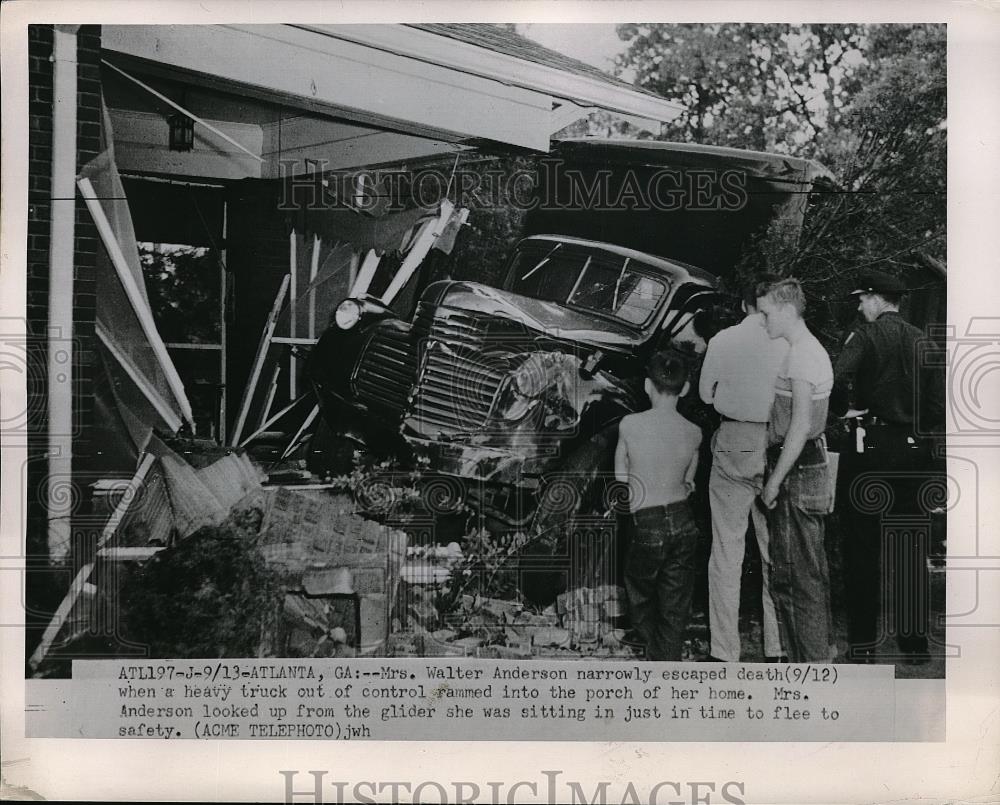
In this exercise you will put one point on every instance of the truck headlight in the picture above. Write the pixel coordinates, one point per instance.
(348, 314)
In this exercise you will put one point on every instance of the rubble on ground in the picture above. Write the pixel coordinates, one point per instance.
(586, 622)
(314, 577)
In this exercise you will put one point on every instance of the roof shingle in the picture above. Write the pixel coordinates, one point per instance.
(502, 40)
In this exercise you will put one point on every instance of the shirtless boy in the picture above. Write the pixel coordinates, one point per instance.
(657, 456)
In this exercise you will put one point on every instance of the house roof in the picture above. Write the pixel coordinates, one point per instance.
(446, 84)
(509, 43)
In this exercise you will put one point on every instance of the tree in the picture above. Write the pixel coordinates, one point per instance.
(764, 87)
(890, 158)
(496, 203)
(183, 287)
(867, 101)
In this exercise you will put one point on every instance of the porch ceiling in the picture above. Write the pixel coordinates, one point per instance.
(287, 141)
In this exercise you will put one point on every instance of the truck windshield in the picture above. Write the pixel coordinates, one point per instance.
(596, 281)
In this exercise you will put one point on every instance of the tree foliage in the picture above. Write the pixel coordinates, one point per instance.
(496, 203)
(868, 101)
(183, 287)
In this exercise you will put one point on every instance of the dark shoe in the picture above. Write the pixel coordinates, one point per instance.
(781, 658)
(710, 658)
(634, 639)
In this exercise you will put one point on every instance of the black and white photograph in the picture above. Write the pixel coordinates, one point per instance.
(478, 376)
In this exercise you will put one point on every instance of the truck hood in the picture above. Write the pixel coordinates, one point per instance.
(556, 321)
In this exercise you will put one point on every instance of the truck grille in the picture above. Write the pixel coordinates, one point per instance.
(386, 370)
(458, 383)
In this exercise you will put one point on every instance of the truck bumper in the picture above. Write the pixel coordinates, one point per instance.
(480, 463)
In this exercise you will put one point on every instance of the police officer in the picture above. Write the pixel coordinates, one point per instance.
(883, 471)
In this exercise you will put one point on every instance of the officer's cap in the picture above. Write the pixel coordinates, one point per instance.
(877, 282)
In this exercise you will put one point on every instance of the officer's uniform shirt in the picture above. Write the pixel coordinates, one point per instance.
(880, 357)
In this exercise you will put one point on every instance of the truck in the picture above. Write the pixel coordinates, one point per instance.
(512, 391)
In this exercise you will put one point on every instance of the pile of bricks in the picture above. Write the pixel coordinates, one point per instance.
(585, 622)
(339, 571)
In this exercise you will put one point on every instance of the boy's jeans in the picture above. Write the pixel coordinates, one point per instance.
(800, 579)
(660, 575)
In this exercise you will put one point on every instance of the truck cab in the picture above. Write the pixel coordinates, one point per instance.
(499, 385)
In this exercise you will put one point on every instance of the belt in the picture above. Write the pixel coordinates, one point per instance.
(813, 451)
(878, 422)
(662, 510)
(888, 436)
(725, 418)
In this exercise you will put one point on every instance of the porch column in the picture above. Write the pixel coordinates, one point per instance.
(60, 333)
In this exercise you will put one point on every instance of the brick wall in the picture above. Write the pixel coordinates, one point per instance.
(88, 145)
(40, 43)
(39, 185)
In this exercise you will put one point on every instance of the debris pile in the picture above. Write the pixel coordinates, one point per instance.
(339, 572)
(585, 622)
(282, 573)
(209, 596)
(430, 564)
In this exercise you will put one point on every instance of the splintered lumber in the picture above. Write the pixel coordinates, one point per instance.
(204, 497)
(258, 361)
(83, 575)
(429, 232)
(293, 298)
(230, 479)
(366, 273)
(265, 412)
(130, 554)
(263, 428)
(193, 503)
(298, 434)
(135, 296)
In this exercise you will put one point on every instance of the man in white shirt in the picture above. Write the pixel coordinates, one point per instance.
(738, 379)
(797, 489)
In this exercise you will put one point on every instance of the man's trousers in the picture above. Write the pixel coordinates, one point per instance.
(738, 459)
(800, 577)
(890, 491)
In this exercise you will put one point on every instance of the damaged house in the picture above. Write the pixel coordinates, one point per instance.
(177, 280)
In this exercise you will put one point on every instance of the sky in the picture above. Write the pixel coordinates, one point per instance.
(594, 43)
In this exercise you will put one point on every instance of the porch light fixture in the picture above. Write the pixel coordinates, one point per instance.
(181, 132)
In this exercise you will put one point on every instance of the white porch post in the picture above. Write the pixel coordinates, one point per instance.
(60, 333)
